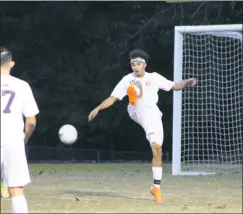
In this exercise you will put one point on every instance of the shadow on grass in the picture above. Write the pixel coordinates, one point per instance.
(80, 194)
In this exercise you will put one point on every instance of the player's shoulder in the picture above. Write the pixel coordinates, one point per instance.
(128, 77)
(156, 75)
(19, 82)
(152, 75)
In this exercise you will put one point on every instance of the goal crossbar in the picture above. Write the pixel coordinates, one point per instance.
(208, 28)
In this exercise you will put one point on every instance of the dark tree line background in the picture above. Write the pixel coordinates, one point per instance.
(74, 53)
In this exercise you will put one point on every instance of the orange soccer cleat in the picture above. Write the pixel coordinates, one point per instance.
(157, 194)
(132, 95)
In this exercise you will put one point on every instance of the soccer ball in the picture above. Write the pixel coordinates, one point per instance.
(68, 134)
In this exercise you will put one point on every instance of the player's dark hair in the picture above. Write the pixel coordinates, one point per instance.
(139, 53)
(6, 56)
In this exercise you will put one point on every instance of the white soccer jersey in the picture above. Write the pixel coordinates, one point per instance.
(17, 100)
(151, 83)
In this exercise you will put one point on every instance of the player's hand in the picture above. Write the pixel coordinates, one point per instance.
(93, 114)
(192, 81)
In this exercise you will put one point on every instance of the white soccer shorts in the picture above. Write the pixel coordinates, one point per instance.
(14, 166)
(152, 124)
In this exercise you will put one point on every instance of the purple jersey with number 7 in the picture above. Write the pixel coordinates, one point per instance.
(17, 101)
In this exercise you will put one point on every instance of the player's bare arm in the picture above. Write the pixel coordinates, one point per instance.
(105, 104)
(183, 84)
(30, 124)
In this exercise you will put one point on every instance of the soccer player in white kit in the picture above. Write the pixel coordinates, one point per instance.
(142, 90)
(17, 102)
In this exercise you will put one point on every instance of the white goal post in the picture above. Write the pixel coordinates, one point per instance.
(208, 118)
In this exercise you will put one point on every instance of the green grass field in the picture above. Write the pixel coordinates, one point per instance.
(124, 188)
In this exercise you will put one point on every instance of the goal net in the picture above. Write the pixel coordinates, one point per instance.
(210, 117)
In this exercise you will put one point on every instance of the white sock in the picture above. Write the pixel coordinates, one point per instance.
(157, 175)
(19, 204)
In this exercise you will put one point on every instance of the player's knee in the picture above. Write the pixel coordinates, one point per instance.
(155, 138)
(15, 191)
(156, 150)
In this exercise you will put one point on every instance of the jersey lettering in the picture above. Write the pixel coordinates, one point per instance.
(10, 95)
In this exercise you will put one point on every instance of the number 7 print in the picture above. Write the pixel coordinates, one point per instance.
(10, 100)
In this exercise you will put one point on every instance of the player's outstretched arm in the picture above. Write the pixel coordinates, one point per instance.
(183, 84)
(30, 125)
(105, 104)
